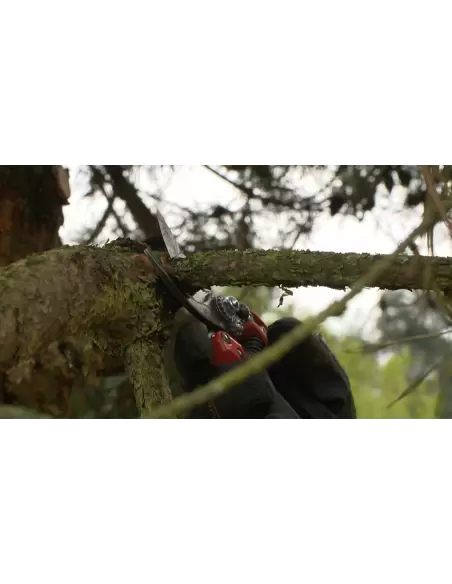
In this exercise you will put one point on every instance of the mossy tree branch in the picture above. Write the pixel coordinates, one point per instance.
(310, 268)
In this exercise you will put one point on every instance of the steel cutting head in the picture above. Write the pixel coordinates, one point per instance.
(172, 246)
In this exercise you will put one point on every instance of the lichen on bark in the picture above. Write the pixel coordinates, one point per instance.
(145, 368)
(309, 268)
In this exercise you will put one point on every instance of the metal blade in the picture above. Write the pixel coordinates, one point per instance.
(172, 246)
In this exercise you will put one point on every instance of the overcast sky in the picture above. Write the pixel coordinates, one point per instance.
(379, 232)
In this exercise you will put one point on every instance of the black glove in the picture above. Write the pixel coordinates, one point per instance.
(309, 377)
(256, 397)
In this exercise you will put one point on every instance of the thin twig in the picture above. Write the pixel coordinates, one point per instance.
(303, 202)
(418, 380)
(110, 210)
(101, 223)
(374, 347)
(431, 190)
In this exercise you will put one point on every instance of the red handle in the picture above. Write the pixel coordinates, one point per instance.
(254, 328)
(226, 350)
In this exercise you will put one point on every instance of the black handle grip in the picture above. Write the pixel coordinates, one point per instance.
(253, 345)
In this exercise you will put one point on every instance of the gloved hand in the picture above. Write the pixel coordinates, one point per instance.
(309, 377)
(253, 398)
(307, 383)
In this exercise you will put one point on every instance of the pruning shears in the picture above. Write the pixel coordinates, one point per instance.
(230, 324)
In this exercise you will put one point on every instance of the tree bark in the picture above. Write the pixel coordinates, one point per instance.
(64, 310)
(310, 268)
(31, 201)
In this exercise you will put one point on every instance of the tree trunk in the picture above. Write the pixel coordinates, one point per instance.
(66, 312)
(31, 201)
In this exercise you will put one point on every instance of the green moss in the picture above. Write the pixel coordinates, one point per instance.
(101, 294)
(306, 268)
(144, 366)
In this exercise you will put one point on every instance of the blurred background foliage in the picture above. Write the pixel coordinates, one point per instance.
(300, 193)
(381, 372)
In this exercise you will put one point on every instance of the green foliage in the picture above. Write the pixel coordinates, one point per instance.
(408, 314)
(376, 384)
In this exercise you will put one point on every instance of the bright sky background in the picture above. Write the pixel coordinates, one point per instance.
(379, 232)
